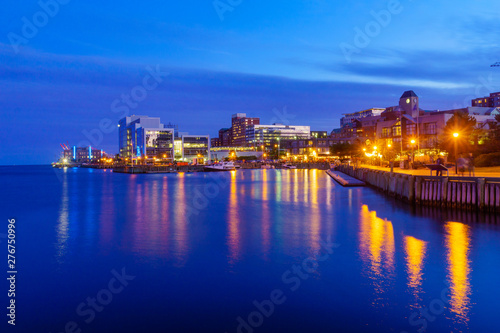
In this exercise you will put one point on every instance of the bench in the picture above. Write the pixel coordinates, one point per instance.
(437, 167)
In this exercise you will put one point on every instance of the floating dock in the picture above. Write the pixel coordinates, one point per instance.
(345, 180)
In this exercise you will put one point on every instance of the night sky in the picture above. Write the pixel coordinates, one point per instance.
(297, 62)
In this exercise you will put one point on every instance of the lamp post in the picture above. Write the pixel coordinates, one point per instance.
(278, 149)
(412, 151)
(455, 136)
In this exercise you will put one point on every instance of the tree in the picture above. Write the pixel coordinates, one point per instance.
(344, 149)
(464, 125)
(495, 129)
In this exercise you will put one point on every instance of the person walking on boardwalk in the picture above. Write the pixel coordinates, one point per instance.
(470, 165)
(439, 161)
(461, 164)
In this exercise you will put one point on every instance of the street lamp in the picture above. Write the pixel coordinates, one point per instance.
(412, 150)
(279, 149)
(456, 135)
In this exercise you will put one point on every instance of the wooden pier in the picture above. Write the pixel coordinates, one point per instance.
(454, 192)
(345, 180)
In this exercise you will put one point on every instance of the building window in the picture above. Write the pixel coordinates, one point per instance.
(410, 129)
(396, 130)
(430, 128)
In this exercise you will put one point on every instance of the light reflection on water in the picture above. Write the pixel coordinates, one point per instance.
(269, 214)
(377, 249)
(415, 250)
(233, 221)
(457, 240)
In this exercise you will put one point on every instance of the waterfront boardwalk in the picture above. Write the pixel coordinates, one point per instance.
(479, 172)
(481, 192)
(345, 180)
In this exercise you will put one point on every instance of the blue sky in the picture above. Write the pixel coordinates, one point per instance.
(262, 58)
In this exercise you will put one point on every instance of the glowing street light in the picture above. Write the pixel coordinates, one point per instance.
(456, 135)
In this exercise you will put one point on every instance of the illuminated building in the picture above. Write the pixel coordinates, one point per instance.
(194, 148)
(145, 136)
(269, 135)
(83, 154)
(239, 128)
(492, 101)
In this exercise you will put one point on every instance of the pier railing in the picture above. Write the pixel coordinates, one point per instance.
(455, 192)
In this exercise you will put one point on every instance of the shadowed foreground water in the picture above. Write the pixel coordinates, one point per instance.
(200, 252)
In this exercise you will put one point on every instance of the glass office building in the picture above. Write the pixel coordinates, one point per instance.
(195, 147)
(267, 135)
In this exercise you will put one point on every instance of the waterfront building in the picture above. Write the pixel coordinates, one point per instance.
(407, 124)
(195, 148)
(313, 147)
(239, 125)
(270, 135)
(83, 154)
(145, 136)
(319, 134)
(220, 153)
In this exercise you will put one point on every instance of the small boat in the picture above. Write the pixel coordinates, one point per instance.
(237, 166)
(289, 166)
(222, 166)
(267, 166)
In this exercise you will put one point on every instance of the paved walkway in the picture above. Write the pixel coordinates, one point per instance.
(480, 172)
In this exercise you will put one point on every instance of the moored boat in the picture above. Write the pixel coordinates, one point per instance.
(222, 166)
(289, 166)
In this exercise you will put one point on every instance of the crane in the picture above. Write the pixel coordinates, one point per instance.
(497, 64)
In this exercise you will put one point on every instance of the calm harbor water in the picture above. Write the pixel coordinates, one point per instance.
(196, 252)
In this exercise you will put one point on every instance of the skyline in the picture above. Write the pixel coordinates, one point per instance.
(261, 57)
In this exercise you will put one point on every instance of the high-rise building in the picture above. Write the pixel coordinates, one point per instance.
(239, 125)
